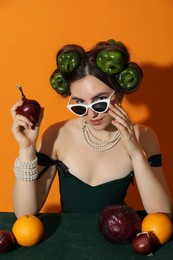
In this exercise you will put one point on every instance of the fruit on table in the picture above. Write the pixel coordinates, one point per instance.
(144, 243)
(119, 223)
(160, 225)
(30, 108)
(7, 241)
(28, 230)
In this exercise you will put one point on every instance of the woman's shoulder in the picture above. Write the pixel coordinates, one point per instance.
(56, 135)
(61, 128)
(148, 138)
(141, 129)
(62, 125)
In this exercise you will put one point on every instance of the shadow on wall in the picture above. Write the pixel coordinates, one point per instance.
(52, 208)
(156, 93)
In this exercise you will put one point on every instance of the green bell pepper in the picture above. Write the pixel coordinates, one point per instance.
(128, 79)
(59, 83)
(110, 62)
(68, 61)
(113, 42)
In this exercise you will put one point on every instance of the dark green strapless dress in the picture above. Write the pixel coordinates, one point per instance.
(77, 196)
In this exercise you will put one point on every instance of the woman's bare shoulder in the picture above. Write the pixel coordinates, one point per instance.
(148, 138)
(58, 130)
(144, 130)
(60, 126)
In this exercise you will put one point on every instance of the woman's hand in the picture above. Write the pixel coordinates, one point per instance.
(122, 122)
(22, 129)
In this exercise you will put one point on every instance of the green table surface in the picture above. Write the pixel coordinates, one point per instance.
(75, 236)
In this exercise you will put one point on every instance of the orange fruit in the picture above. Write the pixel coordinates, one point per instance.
(159, 224)
(28, 230)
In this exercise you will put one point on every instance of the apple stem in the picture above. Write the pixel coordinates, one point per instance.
(21, 91)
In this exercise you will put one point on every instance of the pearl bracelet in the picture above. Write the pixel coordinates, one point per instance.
(26, 171)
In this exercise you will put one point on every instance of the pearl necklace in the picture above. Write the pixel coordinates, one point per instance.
(97, 144)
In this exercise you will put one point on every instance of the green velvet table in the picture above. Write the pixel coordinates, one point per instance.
(75, 236)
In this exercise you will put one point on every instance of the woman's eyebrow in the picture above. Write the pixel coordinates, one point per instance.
(100, 94)
(77, 98)
(94, 97)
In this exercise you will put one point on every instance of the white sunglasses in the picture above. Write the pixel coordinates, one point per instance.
(100, 106)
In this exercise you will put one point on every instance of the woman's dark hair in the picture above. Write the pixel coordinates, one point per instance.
(88, 66)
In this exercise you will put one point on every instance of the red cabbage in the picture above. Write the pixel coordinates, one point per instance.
(119, 223)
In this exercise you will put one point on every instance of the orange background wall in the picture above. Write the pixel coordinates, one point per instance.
(31, 33)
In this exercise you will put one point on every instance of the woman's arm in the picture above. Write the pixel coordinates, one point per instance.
(152, 186)
(29, 196)
(150, 180)
(140, 143)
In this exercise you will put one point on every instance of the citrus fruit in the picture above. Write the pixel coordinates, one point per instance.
(159, 224)
(28, 230)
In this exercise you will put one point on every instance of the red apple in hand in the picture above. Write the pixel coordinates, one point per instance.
(7, 241)
(30, 108)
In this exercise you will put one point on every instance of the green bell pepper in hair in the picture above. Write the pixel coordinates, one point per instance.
(59, 83)
(68, 61)
(128, 79)
(110, 61)
(113, 42)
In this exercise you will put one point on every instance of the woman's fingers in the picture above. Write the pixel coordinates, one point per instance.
(14, 108)
(22, 121)
(119, 110)
(120, 116)
(21, 128)
(24, 131)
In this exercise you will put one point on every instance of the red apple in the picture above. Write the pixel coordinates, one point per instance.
(30, 108)
(7, 241)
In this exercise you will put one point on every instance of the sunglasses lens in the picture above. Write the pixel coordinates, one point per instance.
(79, 110)
(100, 106)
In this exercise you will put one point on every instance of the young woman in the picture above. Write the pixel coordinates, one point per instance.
(99, 152)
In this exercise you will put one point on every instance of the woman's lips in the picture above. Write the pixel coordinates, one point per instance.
(96, 122)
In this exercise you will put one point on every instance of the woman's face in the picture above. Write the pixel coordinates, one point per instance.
(88, 90)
